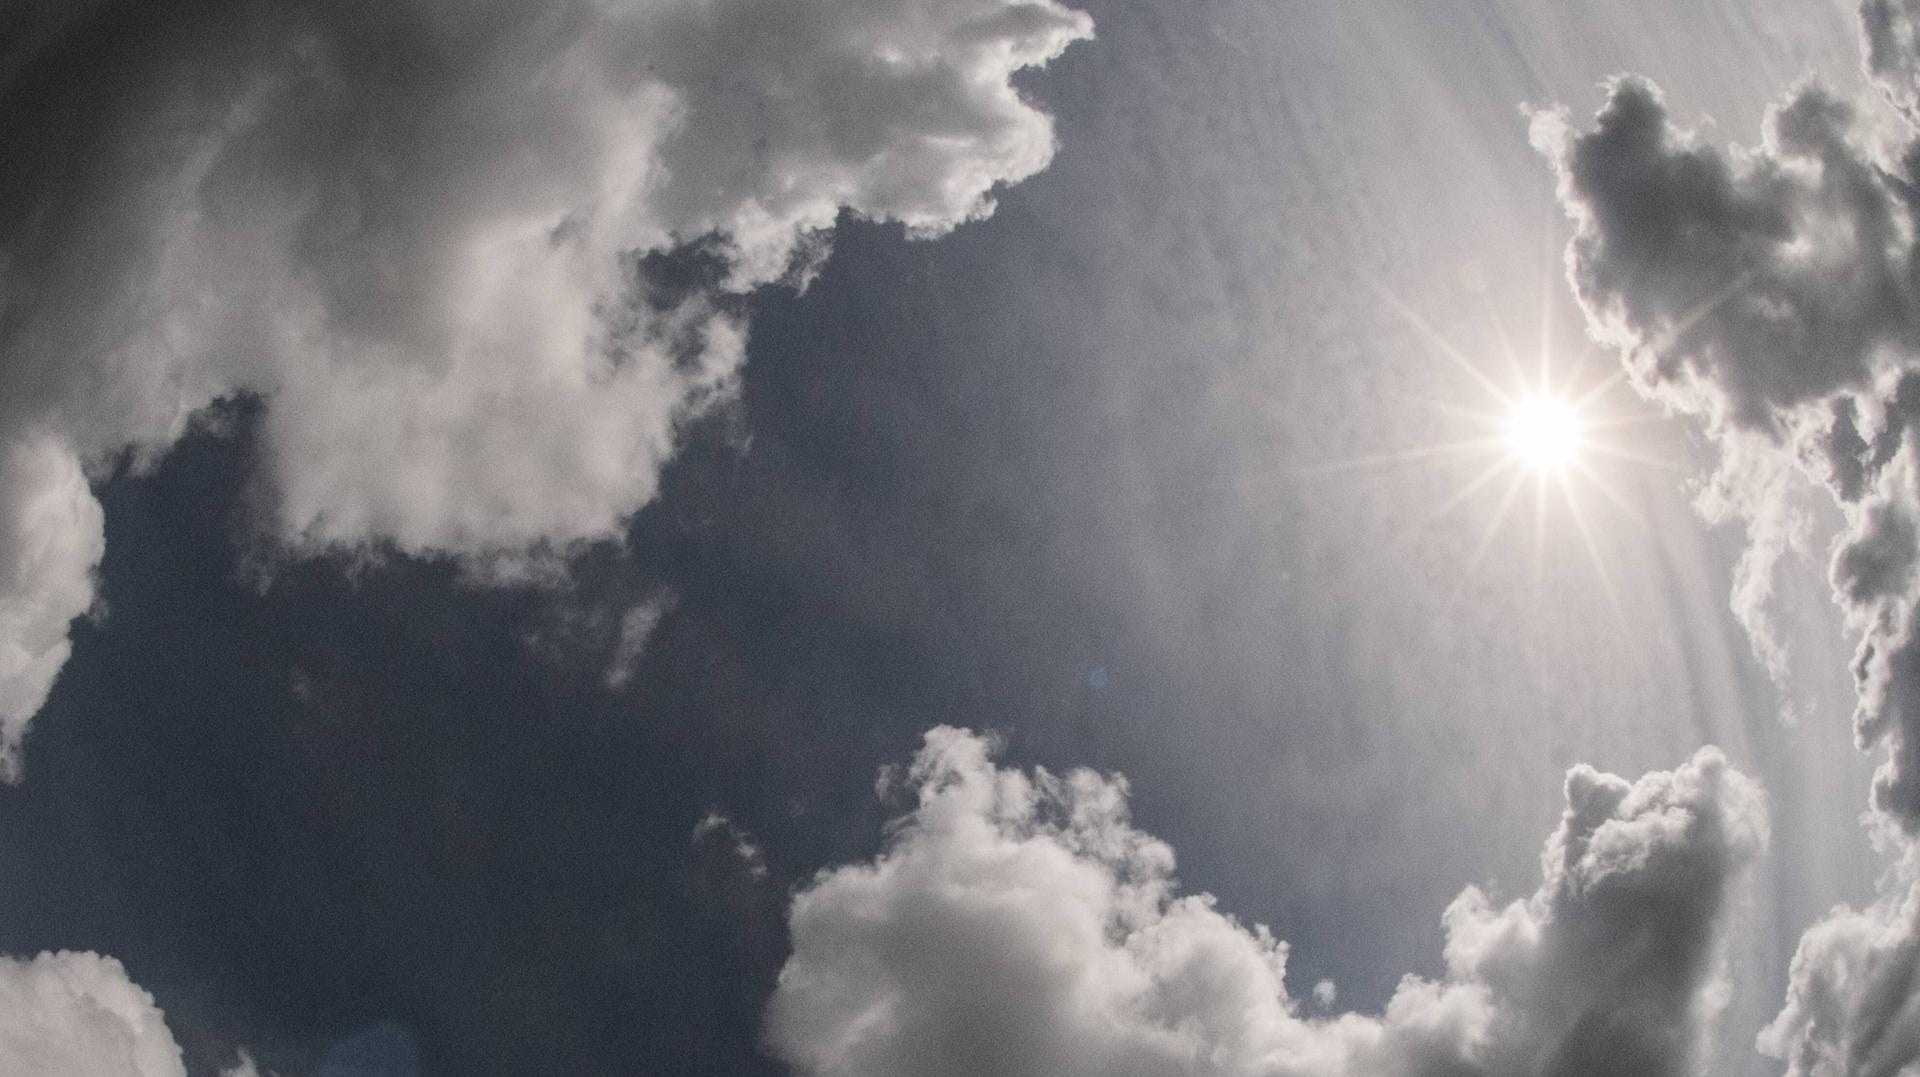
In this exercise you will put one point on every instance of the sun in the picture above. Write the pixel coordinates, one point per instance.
(1542, 425)
(1544, 432)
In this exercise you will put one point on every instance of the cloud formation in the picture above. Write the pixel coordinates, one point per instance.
(50, 538)
(73, 1014)
(1017, 923)
(1773, 291)
(413, 232)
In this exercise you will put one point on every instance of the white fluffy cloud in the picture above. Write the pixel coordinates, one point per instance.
(1018, 924)
(412, 230)
(73, 1014)
(1774, 291)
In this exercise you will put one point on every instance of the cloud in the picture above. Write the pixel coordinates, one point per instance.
(413, 231)
(1891, 32)
(1851, 1006)
(1771, 291)
(715, 829)
(50, 539)
(1737, 285)
(73, 1014)
(636, 628)
(1017, 923)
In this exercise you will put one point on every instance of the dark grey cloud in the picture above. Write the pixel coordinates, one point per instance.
(1893, 50)
(1740, 285)
(1018, 923)
(1852, 1006)
(1771, 291)
(409, 230)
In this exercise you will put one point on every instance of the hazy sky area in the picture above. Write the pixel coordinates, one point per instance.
(959, 537)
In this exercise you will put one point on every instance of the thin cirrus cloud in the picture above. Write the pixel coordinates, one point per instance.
(1017, 923)
(1771, 292)
(410, 231)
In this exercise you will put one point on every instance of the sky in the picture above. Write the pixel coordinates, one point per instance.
(950, 537)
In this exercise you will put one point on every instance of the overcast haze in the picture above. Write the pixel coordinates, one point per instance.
(959, 537)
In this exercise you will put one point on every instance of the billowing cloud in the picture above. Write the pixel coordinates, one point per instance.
(50, 540)
(1017, 923)
(1770, 291)
(1852, 1008)
(1740, 285)
(1774, 292)
(414, 232)
(73, 1014)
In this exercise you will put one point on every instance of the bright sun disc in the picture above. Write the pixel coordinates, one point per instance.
(1544, 432)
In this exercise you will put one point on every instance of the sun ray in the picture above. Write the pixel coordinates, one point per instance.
(1628, 455)
(1491, 420)
(1546, 307)
(1612, 493)
(1539, 527)
(1586, 399)
(1493, 471)
(1505, 342)
(1440, 343)
(1624, 422)
(1461, 447)
(1494, 521)
(1593, 554)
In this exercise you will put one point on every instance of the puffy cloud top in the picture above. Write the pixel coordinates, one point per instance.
(413, 230)
(77, 1015)
(1017, 923)
(1742, 284)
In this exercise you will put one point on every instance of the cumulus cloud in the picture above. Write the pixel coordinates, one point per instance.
(1737, 284)
(73, 1014)
(1772, 292)
(1851, 1005)
(413, 230)
(50, 539)
(1018, 923)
